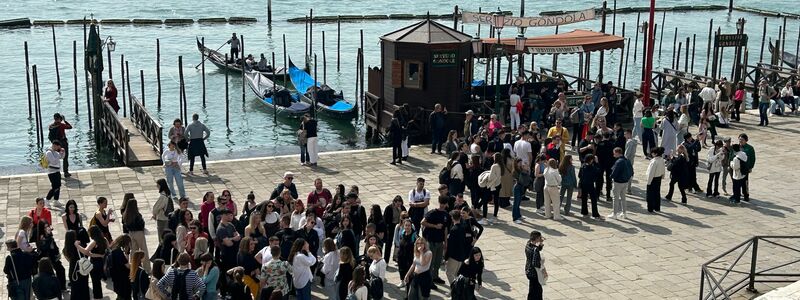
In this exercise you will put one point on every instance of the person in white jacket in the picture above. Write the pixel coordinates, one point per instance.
(715, 157)
(552, 183)
(739, 159)
(492, 184)
(638, 113)
(655, 172)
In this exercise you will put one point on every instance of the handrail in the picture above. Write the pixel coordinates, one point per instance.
(116, 134)
(722, 288)
(148, 124)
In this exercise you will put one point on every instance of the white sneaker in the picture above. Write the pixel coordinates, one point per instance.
(621, 216)
(492, 220)
(611, 216)
(483, 222)
(518, 221)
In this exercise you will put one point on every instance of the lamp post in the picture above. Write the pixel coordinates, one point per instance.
(498, 20)
(519, 46)
(737, 72)
(110, 46)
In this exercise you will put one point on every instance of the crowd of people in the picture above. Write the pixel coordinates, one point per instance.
(288, 243)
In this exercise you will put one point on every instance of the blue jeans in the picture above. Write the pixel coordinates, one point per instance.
(22, 291)
(637, 128)
(304, 293)
(763, 110)
(175, 174)
(304, 158)
(566, 198)
(519, 190)
(776, 104)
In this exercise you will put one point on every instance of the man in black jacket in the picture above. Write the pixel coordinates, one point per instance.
(176, 215)
(358, 216)
(457, 248)
(605, 157)
(18, 267)
(287, 183)
(437, 121)
(692, 149)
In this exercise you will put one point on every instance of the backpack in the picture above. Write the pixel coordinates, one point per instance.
(52, 134)
(444, 175)
(484, 179)
(375, 288)
(108, 263)
(179, 286)
(43, 161)
(744, 168)
(170, 207)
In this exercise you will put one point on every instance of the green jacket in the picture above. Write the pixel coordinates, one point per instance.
(751, 155)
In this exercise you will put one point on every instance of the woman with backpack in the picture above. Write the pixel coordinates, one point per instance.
(78, 282)
(119, 270)
(138, 277)
(160, 208)
(455, 183)
(472, 269)
(357, 289)
(95, 250)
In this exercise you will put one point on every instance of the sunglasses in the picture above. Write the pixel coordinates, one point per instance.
(193, 228)
(290, 178)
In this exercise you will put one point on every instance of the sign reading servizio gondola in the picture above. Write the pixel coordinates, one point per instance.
(542, 21)
(555, 50)
(443, 58)
(730, 40)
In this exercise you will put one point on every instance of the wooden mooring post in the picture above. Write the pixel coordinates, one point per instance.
(108, 58)
(627, 57)
(324, 61)
(158, 73)
(182, 111)
(36, 110)
(28, 81)
(269, 14)
(141, 83)
(339, 44)
(122, 83)
(203, 61)
(314, 89)
(763, 39)
(130, 92)
(636, 36)
(75, 72)
(661, 37)
(686, 56)
(285, 60)
(274, 88)
(243, 83)
(227, 98)
(708, 46)
(694, 43)
(621, 52)
(602, 52)
(55, 56)
(675, 49)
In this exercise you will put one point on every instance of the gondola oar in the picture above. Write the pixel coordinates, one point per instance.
(205, 56)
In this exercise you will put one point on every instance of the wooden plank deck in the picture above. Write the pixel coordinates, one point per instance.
(140, 152)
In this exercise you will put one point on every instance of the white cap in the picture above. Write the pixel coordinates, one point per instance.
(470, 112)
(288, 174)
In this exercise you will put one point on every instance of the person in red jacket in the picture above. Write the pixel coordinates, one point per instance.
(40, 213)
(319, 198)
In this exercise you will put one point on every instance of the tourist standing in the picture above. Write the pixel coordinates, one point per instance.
(173, 159)
(110, 95)
(472, 125)
(396, 131)
(274, 274)
(79, 283)
(310, 126)
(418, 200)
(436, 225)
(138, 277)
(751, 163)
(739, 172)
(693, 150)
(160, 208)
(714, 161)
(302, 260)
(522, 176)
(669, 131)
(48, 249)
(330, 265)
(678, 166)
(197, 133)
(18, 268)
(57, 132)
(515, 105)
(53, 157)
(457, 248)
(437, 121)
(134, 223)
(177, 134)
(630, 152)
(95, 250)
(738, 100)
(655, 172)
(552, 183)
(356, 288)
(182, 282)
(765, 94)
(638, 113)
(345, 272)
(621, 174)
(103, 217)
(119, 269)
(45, 284)
(418, 277)
(534, 265)
(392, 217)
(405, 120)
(568, 183)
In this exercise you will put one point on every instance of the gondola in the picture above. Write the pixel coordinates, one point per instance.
(275, 96)
(789, 59)
(218, 59)
(328, 100)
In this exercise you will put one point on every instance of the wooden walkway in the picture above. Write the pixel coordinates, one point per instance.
(135, 140)
(140, 152)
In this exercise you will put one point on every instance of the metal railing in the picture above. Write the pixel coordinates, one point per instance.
(149, 126)
(720, 278)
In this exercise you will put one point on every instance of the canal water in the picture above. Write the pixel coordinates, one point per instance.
(252, 130)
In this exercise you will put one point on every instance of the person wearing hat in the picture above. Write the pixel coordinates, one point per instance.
(471, 124)
(288, 183)
(765, 94)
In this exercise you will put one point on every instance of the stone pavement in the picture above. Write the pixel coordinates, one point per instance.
(643, 257)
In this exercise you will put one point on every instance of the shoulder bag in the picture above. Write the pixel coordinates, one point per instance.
(13, 286)
(540, 274)
(84, 264)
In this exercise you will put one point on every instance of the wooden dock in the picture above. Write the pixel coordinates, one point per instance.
(135, 140)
